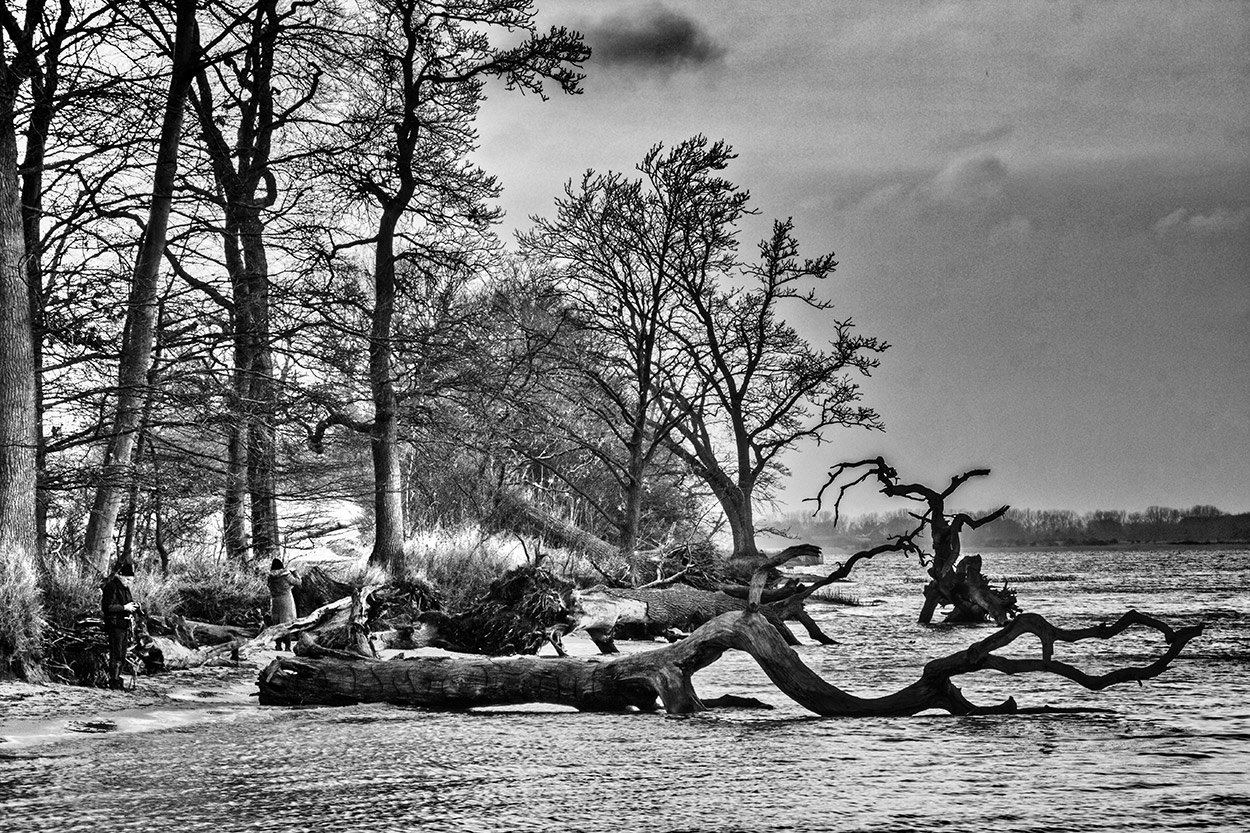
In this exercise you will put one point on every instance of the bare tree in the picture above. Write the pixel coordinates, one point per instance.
(401, 154)
(237, 88)
(754, 387)
(620, 247)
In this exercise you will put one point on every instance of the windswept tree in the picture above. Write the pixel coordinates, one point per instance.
(755, 387)
(620, 248)
(413, 77)
(951, 581)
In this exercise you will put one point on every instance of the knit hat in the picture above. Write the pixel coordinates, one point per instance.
(276, 564)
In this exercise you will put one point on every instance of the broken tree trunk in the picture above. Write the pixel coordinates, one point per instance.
(967, 590)
(662, 678)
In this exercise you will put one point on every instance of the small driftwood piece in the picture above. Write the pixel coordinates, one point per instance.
(340, 625)
(175, 656)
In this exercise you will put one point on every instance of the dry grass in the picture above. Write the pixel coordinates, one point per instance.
(20, 611)
(460, 562)
(201, 585)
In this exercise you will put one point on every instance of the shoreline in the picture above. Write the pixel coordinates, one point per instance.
(37, 713)
(40, 713)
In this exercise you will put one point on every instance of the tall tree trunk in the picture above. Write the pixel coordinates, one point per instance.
(741, 518)
(239, 171)
(136, 357)
(234, 528)
(635, 475)
(736, 504)
(388, 505)
(43, 89)
(262, 446)
(20, 626)
(734, 496)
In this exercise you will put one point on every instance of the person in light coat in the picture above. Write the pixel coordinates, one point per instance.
(282, 598)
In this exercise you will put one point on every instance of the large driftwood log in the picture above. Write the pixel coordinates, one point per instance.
(193, 634)
(662, 678)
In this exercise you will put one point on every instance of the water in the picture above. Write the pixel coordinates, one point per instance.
(1171, 754)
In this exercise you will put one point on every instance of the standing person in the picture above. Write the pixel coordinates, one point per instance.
(282, 598)
(119, 608)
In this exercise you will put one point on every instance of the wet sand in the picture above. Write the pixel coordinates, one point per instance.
(33, 713)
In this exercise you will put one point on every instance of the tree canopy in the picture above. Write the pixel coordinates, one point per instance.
(246, 259)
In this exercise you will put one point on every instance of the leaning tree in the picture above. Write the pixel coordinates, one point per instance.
(141, 311)
(753, 387)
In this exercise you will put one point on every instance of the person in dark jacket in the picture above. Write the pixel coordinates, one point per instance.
(119, 609)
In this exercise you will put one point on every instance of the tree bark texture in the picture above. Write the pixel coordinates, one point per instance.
(662, 678)
(388, 498)
(141, 314)
(18, 427)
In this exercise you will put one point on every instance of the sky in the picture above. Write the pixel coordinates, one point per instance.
(1044, 207)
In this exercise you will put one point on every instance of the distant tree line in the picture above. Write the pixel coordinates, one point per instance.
(1036, 527)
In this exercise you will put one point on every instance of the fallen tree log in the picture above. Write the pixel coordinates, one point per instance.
(662, 678)
(514, 512)
(601, 611)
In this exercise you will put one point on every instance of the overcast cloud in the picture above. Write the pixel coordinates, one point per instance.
(1044, 206)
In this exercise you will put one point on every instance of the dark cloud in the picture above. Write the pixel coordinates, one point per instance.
(652, 37)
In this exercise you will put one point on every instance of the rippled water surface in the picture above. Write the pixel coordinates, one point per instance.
(1171, 754)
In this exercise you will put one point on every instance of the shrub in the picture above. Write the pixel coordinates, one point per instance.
(207, 587)
(460, 562)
